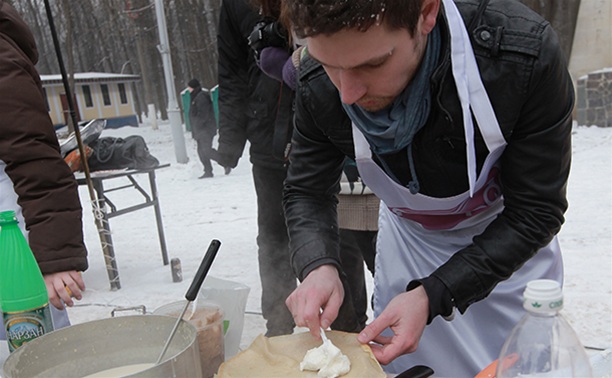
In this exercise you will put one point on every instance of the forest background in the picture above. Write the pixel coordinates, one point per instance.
(121, 36)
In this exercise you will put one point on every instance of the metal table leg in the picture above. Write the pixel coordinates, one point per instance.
(158, 218)
(105, 237)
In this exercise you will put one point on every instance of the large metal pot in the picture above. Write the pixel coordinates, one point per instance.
(87, 348)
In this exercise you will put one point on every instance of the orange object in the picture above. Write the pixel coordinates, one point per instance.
(489, 371)
(73, 159)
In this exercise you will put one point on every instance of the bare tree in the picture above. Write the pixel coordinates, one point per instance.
(121, 36)
(69, 58)
(139, 26)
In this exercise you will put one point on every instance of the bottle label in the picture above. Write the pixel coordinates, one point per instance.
(25, 326)
(542, 305)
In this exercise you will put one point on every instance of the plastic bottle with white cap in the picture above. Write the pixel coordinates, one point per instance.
(543, 344)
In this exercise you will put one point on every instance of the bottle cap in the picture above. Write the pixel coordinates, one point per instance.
(543, 296)
(8, 217)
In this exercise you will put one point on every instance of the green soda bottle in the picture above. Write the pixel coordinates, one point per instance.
(23, 294)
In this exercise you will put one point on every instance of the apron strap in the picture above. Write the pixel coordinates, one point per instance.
(479, 12)
(471, 92)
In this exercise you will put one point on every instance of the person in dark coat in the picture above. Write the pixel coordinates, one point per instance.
(278, 53)
(249, 110)
(203, 124)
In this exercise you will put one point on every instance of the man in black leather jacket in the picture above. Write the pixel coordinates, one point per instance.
(368, 58)
(248, 108)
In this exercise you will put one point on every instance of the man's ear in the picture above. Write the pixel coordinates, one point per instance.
(429, 15)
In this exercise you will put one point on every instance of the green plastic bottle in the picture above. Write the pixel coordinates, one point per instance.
(23, 294)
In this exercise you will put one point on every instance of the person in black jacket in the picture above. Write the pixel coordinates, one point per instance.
(459, 119)
(277, 55)
(249, 110)
(203, 124)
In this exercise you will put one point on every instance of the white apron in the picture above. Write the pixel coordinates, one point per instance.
(8, 201)
(418, 233)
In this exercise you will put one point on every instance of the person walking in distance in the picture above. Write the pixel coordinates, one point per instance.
(203, 123)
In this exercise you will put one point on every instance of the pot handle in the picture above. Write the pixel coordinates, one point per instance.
(418, 371)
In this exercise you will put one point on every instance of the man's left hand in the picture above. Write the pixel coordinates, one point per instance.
(406, 316)
(58, 285)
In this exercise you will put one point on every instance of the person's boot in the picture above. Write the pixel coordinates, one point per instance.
(206, 175)
(227, 170)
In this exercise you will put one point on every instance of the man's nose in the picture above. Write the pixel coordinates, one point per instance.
(352, 88)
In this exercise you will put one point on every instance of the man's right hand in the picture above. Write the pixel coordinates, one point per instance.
(406, 317)
(321, 289)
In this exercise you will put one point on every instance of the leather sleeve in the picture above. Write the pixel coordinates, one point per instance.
(315, 167)
(45, 185)
(534, 172)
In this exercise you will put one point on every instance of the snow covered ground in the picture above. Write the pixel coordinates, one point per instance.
(197, 211)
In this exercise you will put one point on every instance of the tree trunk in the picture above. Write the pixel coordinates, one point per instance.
(65, 11)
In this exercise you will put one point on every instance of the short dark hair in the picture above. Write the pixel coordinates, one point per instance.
(314, 17)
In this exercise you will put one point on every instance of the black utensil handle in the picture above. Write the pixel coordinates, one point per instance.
(418, 371)
(192, 293)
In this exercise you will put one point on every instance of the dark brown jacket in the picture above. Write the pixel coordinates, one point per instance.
(45, 185)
